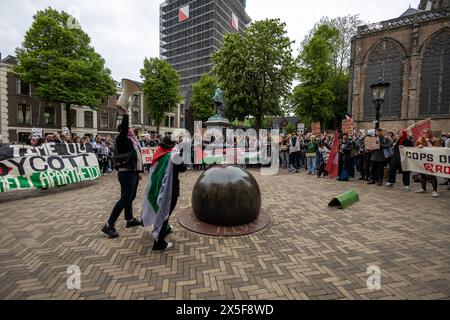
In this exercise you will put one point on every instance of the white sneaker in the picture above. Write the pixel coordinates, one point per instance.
(390, 185)
(406, 189)
(169, 245)
(420, 191)
(435, 194)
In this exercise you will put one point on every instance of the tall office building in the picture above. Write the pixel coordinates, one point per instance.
(190, 31)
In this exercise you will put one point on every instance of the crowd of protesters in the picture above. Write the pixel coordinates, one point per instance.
(301, 151)
(312, 153)
(103, 146)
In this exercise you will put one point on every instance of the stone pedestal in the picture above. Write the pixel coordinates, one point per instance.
(219, 123)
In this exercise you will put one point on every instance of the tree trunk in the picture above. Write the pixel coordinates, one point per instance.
(258, 124)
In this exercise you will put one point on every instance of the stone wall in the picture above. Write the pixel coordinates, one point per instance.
(412, 39)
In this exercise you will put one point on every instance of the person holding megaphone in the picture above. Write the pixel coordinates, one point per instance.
(129, 165)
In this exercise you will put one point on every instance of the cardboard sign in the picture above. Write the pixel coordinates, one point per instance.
(315, 127)
(66, 131)
(372, 143)
(147, 155)
(36, 133)
(347, 126)
(301, 128)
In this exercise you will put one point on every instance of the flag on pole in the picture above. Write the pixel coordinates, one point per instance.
(183, 14)
(418, 127)
(234, 22)
(333, 163)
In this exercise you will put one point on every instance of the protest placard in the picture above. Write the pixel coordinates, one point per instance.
(147, 155)
(347, 126)
(372, 143)
(66, 131)
(301, 128)
(315, 128)
(36, 133)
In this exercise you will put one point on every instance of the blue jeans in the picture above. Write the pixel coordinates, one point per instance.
(311, 161)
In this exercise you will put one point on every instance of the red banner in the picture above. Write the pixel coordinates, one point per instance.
(333, 163)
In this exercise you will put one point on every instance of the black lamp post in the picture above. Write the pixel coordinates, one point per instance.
(379, 90)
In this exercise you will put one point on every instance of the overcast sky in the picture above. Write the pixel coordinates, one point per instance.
(125, 32)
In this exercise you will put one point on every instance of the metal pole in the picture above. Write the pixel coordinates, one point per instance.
(377, 118)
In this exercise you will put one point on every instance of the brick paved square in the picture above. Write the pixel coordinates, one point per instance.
(309, 251)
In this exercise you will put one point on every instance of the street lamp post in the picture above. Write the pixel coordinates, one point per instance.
(379, 90)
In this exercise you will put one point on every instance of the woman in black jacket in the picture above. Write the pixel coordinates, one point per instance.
(129, 165)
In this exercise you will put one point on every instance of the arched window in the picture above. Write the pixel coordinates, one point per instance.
(386, 61)
(435, 81)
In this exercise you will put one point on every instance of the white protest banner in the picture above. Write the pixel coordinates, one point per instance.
(431, 161)
(147, 155)
(36, 133)
(24, 167)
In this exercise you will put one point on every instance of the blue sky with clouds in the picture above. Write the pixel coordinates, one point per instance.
(125, 32)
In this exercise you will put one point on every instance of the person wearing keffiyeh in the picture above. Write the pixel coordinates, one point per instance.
(162, 192)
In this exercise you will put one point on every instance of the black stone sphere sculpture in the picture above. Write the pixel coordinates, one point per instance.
(227, 197)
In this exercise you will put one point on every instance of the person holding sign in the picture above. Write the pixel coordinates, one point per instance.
(428, 140)
(378, 159)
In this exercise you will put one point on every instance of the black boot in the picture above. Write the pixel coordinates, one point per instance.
(110, 231)
(134, 223)
(162, 245)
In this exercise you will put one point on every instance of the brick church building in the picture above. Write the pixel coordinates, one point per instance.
(411, 52)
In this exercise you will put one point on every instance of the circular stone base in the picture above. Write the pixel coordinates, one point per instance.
(188, 220)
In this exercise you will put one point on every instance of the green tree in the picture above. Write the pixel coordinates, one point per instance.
(314, 98)
(256, 70)
(340, 57)
(161, 88)
(60, 62)
(290, 128)
(201, 100)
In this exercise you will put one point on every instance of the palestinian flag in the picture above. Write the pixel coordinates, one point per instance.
(158, 194)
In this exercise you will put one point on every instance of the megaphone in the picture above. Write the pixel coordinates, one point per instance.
(129, 88)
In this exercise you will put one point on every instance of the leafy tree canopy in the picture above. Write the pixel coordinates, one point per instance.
(160, 87)
(201, 100)
(256, 70)
(61, 63)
